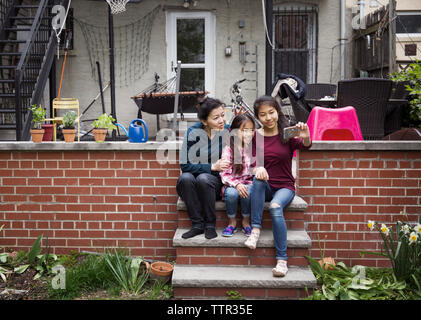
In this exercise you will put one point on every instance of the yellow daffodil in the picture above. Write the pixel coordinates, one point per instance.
(385, 229)
(371, 224)
(413, 237)
(417, 228)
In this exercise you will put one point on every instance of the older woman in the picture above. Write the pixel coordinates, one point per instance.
(200, 184)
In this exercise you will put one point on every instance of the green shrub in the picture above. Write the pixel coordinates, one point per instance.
(413, 75)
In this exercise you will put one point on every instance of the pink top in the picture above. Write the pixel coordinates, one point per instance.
(229, 179)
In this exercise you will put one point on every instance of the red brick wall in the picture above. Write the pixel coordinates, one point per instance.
(91, 200)
(345, 189)
(88, 200)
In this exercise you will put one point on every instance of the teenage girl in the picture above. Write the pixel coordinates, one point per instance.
(274, 181)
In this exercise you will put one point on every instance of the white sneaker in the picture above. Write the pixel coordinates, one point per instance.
(281, 269)
(251, 241)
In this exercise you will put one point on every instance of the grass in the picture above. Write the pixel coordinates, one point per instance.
(92, 278)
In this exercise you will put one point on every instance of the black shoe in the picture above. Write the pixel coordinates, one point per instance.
(192, 233)
(210, 233)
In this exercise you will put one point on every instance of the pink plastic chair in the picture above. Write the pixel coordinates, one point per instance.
(334, 124)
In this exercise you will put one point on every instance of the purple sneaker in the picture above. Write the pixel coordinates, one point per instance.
(229, 231)
(247, 231)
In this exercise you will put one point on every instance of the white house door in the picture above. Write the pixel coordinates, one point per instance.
(191, 40)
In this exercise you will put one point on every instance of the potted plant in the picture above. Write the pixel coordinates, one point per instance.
(69, 130)
(38, 116)
(101, 126)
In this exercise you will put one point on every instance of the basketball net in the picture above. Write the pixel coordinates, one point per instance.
(117, 6)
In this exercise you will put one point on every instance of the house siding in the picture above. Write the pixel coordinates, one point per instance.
(78, 81)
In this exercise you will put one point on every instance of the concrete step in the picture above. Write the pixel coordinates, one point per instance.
(232, 251)
(295, 238)
(297, 204)
(294, 214)
(250, 281)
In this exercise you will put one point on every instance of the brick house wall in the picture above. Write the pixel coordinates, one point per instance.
(89, 200)
(346, 188)
(87, 196)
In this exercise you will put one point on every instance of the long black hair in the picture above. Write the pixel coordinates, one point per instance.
(270, 101)
(236, 124)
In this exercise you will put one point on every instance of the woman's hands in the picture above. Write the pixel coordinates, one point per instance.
(261, 174)
(242, 190)
(304, 133)
(220, 165)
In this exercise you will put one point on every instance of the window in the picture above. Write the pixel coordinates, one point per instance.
(408, 23)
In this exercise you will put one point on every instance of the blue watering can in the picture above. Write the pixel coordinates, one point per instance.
(136, 133)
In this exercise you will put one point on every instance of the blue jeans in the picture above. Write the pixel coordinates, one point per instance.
(261, 192)
(231, 197)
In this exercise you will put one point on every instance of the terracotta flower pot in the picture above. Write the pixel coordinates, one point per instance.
(161, 268)
(37, 135)
(69, 135)
(327, 262)
(99, 134)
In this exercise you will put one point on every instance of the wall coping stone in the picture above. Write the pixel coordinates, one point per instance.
(89, 146)
(377, 145)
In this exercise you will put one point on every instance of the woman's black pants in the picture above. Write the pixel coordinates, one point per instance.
(199, 194)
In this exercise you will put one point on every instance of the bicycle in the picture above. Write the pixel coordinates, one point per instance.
(238, 103)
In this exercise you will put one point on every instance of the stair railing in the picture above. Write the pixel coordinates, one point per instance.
(34, 64)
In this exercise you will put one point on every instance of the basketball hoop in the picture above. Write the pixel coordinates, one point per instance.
(117, 6)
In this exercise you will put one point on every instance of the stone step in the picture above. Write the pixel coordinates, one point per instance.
(295, 239)
(251, 282)
(232, 251)
(294, 214)
(297, 204)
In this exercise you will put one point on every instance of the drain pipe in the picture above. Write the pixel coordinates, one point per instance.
(343, 35)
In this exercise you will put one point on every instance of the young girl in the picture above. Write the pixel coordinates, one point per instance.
(274, 181)
(237, 179)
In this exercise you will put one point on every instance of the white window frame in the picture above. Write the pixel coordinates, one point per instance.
(408, 13)
(210, 44)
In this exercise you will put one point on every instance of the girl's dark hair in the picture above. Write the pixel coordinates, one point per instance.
(205, 107)
(270, 101)
(236, 124)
